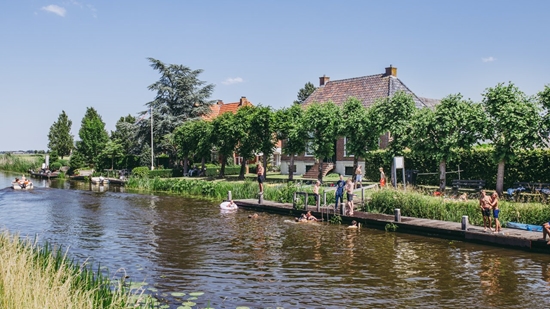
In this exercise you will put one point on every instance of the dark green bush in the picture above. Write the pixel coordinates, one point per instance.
(141, 172)
(164, 173)
(55, 166)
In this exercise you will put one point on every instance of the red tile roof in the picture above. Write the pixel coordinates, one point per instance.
(222, 108)
(367, 89)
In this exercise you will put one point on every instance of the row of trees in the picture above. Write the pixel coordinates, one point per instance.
(506, 118)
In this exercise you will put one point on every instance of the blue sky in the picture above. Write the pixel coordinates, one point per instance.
(69, 55)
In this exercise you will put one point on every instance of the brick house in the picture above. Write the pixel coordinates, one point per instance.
(367, 89)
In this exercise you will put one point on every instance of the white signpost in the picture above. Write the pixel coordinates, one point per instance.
(399, 163)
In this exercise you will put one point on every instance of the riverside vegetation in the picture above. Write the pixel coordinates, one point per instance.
(411, 203)
(34, 277)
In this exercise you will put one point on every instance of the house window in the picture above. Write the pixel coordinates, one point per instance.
(345, 150)
(308, 167)
(348, 170)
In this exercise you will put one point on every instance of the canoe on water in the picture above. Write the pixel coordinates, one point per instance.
(525, 227)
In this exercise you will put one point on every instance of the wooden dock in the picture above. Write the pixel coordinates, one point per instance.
(509, 238)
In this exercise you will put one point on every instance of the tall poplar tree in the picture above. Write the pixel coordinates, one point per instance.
(60, 138)
(93, 137)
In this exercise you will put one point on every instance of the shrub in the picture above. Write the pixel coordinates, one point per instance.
(162, 173)
(55, 166)
(141, 172)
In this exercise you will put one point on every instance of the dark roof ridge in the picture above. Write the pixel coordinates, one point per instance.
(414, 94)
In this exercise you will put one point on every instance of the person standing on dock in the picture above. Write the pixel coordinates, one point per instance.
(546, 231)
(496, 211)
(349, 204)
(485, 205)
(382, 178)
(339, 193)
(260, 172)
(358, 176)
(316, 192)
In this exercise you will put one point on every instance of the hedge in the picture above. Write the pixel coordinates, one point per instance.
(528, 166)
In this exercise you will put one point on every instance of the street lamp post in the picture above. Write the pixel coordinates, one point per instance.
(152, 153)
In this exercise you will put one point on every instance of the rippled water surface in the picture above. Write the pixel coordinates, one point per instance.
(184, 245)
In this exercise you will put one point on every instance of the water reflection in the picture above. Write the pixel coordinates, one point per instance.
(185, 245)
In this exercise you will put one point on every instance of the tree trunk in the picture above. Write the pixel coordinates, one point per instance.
(291, 168)
(393, 174)
(185, 165)
(222, 168)
(243, 169)
(264, 159)
(500, 177)
(112, 162)
(320, 174)
(203, 167)
(442, 175)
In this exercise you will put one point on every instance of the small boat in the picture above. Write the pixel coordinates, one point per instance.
(99, 180)
(228, 206)
(525, 227)
(17, 186)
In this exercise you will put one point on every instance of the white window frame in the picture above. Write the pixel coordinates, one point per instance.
(308, 145)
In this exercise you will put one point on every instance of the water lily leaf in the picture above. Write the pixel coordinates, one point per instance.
(177, 294)
(189, 303)
(196, 293)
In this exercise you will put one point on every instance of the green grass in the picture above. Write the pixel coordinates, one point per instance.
(20, 163)
(419, 205)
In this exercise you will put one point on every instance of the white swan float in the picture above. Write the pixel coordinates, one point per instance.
(228, 206)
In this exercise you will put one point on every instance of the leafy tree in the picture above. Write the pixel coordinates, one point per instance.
(304, 93)
(126, 134)
(513, 124)
(225, 137)
(248, 138)
(544, 101)
(359, 128)
(93, 136)
(393, 114)
(291, 130)
(180, 96)
(60, 138)
(113, 149)
(322, 123)
(77, 161)
(263, 127)
(193, 138)
(438, 134)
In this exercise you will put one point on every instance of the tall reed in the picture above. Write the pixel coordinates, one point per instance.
(34, 277)
(22, 164)
(415, 204)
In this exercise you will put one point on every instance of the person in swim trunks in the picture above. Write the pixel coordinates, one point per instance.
(496, 211)
(546, 231)
(485, 205)
(260, 173)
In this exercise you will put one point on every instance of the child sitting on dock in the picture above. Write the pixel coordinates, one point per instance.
(546, 231)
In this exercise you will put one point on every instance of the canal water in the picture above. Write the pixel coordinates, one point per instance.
(188, 253)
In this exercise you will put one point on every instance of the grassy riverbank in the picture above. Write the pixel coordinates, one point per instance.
(415, 204)
(20, 163)
(33, 277)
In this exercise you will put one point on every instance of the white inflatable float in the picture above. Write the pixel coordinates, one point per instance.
(228, 206)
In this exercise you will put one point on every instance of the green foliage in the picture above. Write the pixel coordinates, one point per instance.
(140, 172)
(77, 160)
(304, 93)
(113, 149)
(390, 227)
(359, 128)
(393, 114)
(263, 127)
(59, 137)
(321, 121)
(414, 204)
(53, 156)
(529, 166)
(180, 96)
(336, 219)
(225, 137)
(93, 136)
(55, 166)
(14, 163)
(161, 173)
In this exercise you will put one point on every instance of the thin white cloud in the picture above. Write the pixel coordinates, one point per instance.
(231, 81)
(489, 59)
(52, 8)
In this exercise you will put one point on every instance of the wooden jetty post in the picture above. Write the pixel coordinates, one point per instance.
(464, 225)
(229, 197)
(397, 214)
(261, 198)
